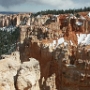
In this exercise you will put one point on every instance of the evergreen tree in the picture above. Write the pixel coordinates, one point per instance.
(56, 12)
(8, 40)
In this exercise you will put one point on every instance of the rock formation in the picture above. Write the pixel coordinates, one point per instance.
(15, 20)
(28, 75)
(8, 70)
(54, 53)
(60, 51)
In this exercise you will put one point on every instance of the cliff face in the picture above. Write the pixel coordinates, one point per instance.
(69, 64)
(61, 46)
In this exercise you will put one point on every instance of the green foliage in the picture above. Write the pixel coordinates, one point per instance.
(8, 40)
(56, 12)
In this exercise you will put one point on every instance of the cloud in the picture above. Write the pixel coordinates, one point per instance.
(8, 3)
(58, 4)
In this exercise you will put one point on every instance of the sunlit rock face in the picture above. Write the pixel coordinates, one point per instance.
(15, 75)
(28, 75)
(8, 70)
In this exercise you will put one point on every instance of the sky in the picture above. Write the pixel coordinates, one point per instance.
(38, 5)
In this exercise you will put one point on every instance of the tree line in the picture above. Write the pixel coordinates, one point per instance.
(56, 12)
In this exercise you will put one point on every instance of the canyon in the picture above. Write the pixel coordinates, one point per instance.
(53, 52)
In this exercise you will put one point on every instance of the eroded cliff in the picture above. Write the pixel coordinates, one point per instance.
(61, 46)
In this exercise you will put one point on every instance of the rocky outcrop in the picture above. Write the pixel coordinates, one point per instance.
(28, 75)
(8, 70)
(15, 75)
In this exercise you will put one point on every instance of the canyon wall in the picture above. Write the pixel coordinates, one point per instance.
(61, 46)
